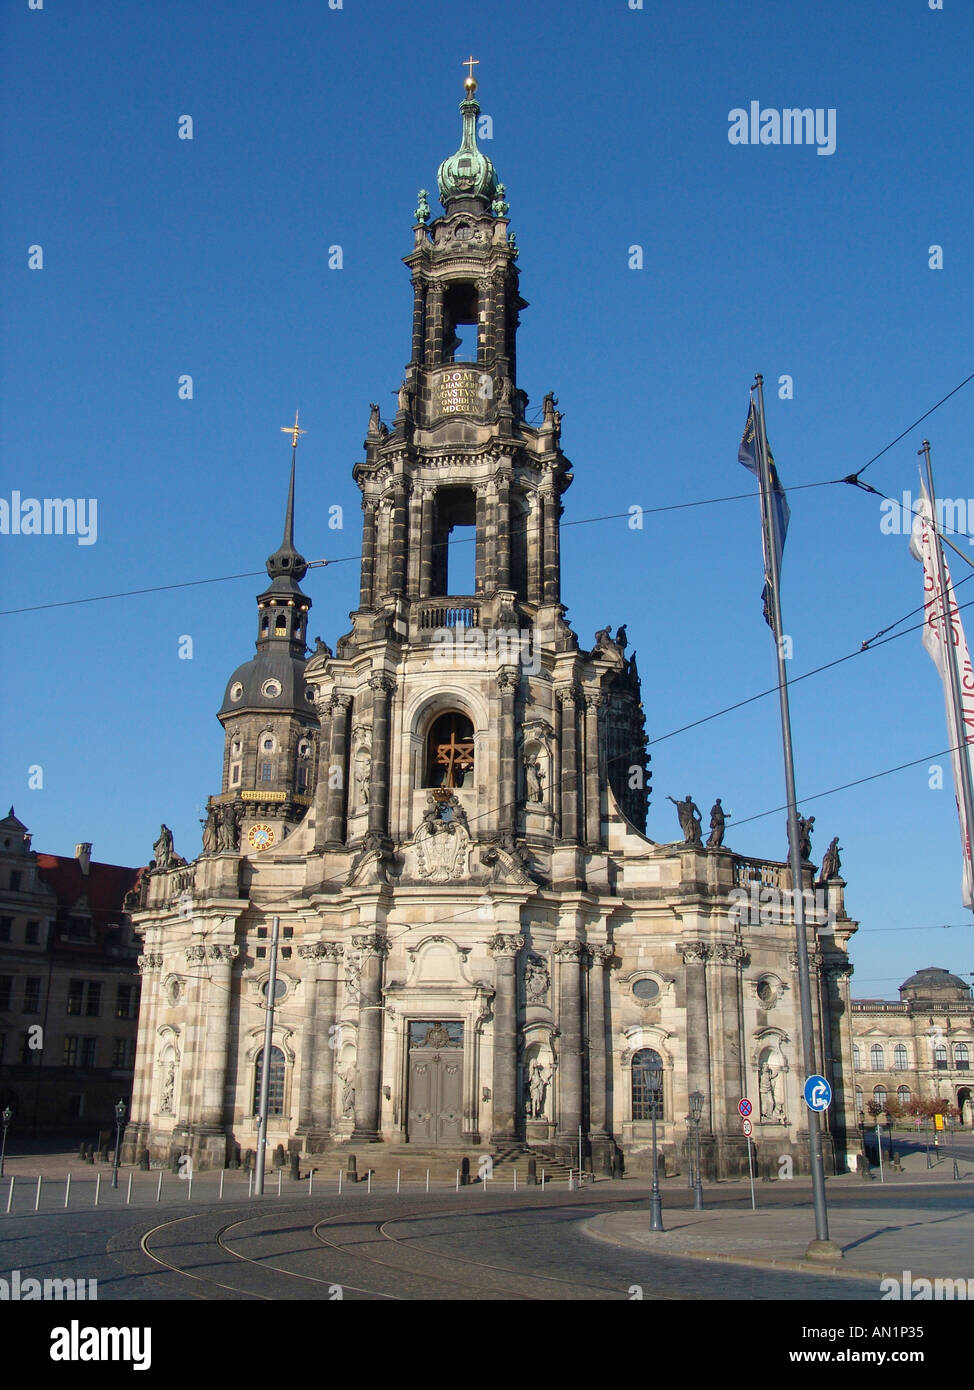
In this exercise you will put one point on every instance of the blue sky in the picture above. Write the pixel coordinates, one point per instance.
(314, 127)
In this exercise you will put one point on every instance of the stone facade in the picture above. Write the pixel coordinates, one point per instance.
(919, 1049)
(480, 947)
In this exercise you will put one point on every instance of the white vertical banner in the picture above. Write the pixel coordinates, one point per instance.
(960, 722)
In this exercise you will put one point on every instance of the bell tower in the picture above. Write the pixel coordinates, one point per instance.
(461, 678)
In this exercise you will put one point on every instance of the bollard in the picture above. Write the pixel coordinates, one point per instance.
(311, 1178)
(956, 1172)
(10, 1195)
(189, 1185)
(339, 1182)
(532, 1172)
(67, 1189)
(250, 1184)
(427, 1180)
(37, 1199)
(128, 1195)
(368, 1181)
(222, 1175)
(571, 1180)
(159, 1187)
(398, 1175)
(458, 1179)
(515, 1179)
(97, 1187)
(280, 1174)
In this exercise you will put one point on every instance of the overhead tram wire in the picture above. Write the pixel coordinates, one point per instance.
(852, 478)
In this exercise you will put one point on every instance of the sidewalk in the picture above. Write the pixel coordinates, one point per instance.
(876, 1243)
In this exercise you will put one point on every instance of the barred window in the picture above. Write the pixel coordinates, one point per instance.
(275, 1082)
(643, 1064)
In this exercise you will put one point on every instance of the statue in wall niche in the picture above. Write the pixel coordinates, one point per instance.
(168, 1090)
(228, 832)
(348, 1091)
(163, 849)
(363, 781)
(771, 1086)
(534, 777)
(353, 970)
(717, 824)
(538, 1090)
(209, 831)
(830, 861)
(504, 391)
(690, 819)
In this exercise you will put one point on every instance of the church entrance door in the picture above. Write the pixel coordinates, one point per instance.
(435, 1107)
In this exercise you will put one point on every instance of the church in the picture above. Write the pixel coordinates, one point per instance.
(480, 949)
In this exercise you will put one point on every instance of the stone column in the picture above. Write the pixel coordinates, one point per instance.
(140, 1120)
(368, 1060)
(398, 539)
(593, 809)
(551, 562)
(504, 949)
(502, 544)
(419, 317)
(480, 563)
(216, 1037)
(500, 313)
(427, 493)
(485, 321)
(695, 957)
(434, 325)
(507, 682)
(727, 959)
(382, 688)
(318, 1041)
(570, 1047)
(337, 771)
(534, 546)
(370, 507)
(415, 541)
(599, 957)
(569, 763)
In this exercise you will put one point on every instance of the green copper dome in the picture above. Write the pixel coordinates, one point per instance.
(468, 173)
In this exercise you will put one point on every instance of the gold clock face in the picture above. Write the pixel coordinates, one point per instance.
(261, 837)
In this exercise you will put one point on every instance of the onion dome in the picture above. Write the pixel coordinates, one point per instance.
(468, 173)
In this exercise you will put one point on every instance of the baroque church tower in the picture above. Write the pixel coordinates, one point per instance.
(481, 950)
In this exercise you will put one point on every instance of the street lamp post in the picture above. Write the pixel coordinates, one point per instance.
(696, 1114)
(8, 1115)
(655, 1073)
(119, 1121)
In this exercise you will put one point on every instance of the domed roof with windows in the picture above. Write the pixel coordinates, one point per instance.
(934, 982)
(468, 173)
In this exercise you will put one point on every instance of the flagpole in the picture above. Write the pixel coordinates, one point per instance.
(965, 791)
(821, 1247)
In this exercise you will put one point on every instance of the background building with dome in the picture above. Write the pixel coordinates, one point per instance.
(917, 1051)
(481, 950)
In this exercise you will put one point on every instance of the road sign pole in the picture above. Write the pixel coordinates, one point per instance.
(750, 1171)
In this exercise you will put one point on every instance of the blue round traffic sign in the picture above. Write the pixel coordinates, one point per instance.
(744, 1107)
(818, 1093)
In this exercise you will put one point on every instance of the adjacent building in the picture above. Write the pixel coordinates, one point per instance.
(918, 1050)
(69, 987)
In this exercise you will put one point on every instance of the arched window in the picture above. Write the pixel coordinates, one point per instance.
(903, 1095)
(879, 1096)
(858, 1097)
(962, 1057)
(642, 1093)
(940, 1057)
(449, 751)
(856, 1057)
(899, 1057)
(275, 1082)
(876, 1062)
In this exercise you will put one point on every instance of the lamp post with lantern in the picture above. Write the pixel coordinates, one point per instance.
(119, 1121)
(655, 1079)
(696, 1115)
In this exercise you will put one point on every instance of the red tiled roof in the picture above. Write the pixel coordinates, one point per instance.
(104, 886)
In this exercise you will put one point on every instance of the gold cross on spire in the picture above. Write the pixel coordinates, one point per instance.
(470, 64)
(293, 431)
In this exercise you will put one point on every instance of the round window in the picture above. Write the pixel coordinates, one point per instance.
(280, 989)
(236, 690)
(271, 689)
(766, 991)
(646, 990)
